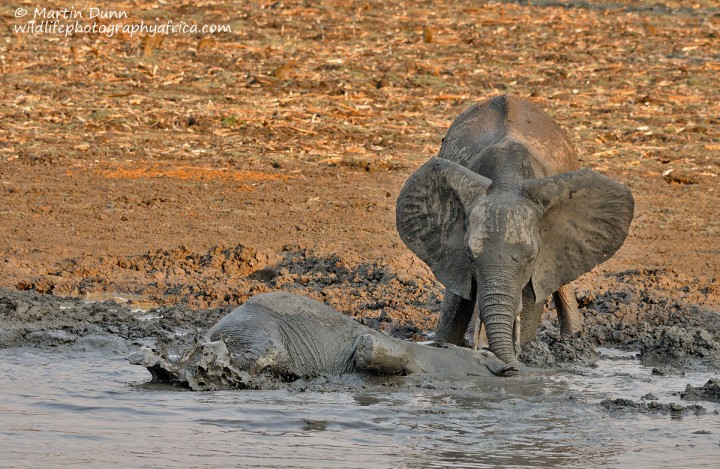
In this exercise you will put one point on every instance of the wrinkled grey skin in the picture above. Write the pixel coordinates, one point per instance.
(504, 217)
(280, 337)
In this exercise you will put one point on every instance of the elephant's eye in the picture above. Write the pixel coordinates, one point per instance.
(475, 246)
(527, 253)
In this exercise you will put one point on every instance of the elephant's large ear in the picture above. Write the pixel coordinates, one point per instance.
(586, 220)
(431, 219)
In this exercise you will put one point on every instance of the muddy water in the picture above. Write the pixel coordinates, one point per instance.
(85, 409)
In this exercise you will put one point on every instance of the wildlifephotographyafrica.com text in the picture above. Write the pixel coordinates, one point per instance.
(70, 21)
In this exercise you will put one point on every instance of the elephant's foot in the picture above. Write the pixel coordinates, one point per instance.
(569, 316)
(383, 355)
(455, 315)
(475, 336)
(530, 315)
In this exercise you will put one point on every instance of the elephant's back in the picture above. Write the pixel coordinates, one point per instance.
(509, 118)
(307, 337)
(289, 309)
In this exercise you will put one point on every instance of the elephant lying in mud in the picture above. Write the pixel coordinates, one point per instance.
(276, 337)
(505, 217)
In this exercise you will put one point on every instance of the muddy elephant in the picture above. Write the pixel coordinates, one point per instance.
(280, 337)
(504, 217)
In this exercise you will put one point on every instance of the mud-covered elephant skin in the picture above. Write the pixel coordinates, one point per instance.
(505, 217)
(280, 337)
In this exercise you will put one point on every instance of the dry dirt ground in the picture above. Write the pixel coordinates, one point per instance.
(199, 169)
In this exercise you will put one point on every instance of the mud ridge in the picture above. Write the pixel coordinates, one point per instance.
(621, 405)
(662, 328)
(709, 391)
(376, 293)
(632, 310)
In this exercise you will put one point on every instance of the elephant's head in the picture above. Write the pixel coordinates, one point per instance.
(493, 239)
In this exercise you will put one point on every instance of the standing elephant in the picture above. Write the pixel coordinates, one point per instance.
(505, 217)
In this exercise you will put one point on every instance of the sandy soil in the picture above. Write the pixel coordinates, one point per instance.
(193, 172)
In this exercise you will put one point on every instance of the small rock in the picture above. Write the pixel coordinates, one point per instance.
(679, 177)
(315, 425)
(43, 285)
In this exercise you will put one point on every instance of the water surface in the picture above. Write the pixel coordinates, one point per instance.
(63, 408)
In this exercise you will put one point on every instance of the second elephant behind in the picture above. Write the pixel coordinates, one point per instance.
(505, 217)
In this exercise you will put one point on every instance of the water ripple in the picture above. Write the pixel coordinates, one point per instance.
(86, 409)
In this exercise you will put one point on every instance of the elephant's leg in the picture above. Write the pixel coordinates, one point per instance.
(571, 320)
(455, 316)
(475, 335)
(479, 338)
(530, 315)
(381, 354)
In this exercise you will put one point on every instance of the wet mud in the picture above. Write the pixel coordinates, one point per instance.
(624, 313)
(653, 407)
(709, 391)
(632, 311)
(670, 319)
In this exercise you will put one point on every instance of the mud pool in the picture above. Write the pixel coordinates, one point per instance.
(69, 408)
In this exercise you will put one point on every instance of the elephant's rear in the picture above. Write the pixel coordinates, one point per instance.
(289, 335)
(509, 118)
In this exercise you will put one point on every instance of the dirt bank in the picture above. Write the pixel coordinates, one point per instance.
(667, 332)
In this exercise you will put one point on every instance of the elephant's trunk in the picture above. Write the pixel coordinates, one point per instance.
(498, 312)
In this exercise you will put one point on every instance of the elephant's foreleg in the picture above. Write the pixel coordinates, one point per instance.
(475, 335)
(530, 315)
(455, 316)
(571, 320)
(378, 353)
